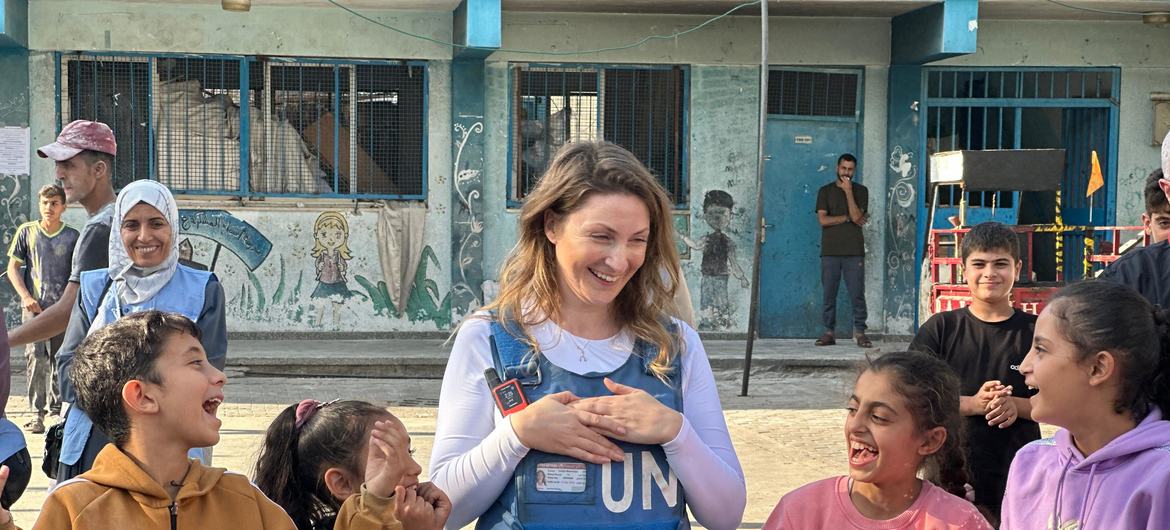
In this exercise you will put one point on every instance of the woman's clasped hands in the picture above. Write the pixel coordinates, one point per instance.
(645, 419)
(581, 428)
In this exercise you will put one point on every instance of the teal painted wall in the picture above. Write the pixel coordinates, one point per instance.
(14, 189)
(14, 196)
(935, 32)
(14, 23)
(467, 227)
(14, 87)
(902, 194)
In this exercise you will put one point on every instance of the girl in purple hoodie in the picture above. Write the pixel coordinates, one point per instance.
(1100, 370)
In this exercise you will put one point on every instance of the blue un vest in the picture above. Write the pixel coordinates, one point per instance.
(640, 493)
(184, 294)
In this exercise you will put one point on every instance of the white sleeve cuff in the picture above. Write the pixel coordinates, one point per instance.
(511, 441)
(686, 436)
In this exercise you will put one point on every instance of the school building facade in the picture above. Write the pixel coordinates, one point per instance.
(355, 167)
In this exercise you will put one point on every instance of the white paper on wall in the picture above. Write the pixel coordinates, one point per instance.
(15, 148)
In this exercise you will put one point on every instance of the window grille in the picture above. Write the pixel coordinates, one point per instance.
(114, 91)
(976, 109)
(804, 93)
(196, 124)
(1020, 84)
(308, 127)
(641, 109)
(970, 128)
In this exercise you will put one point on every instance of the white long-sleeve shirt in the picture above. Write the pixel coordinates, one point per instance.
(476, 450)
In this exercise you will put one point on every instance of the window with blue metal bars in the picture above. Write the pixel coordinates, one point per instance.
(305, 127)
(813, 94)
(640, 108)
(1020, 84)
(970, 128)
(978, 109)
(1030, 108)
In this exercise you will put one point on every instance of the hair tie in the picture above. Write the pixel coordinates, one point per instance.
(307, 408)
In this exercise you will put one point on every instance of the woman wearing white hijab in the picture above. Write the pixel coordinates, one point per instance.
(144, 274)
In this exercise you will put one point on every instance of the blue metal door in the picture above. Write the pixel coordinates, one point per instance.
(803, 157)
(1085, 131)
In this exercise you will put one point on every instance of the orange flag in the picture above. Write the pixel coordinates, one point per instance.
(1096, 181)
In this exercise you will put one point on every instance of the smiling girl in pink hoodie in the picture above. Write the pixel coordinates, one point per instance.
(1100, 366)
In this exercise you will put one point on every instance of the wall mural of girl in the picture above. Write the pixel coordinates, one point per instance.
(331, 250)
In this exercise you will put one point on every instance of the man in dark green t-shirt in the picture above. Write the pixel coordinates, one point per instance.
(841, 211)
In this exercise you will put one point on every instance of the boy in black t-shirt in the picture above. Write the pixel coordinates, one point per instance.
(984, 343)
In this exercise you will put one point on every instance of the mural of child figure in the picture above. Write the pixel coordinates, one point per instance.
(331, 249)
(718, 262)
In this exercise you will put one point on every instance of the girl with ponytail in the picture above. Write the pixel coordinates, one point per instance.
(903, 417)
(346, 465)
(1100, 368)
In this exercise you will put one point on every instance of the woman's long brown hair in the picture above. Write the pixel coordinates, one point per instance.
(529, 293)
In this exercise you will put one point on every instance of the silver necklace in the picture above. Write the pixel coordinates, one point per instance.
(580, 349)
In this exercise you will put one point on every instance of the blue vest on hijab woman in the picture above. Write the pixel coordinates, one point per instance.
(182, 295)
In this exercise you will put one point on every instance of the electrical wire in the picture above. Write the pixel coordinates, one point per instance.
(1095, 10)
(644, 40)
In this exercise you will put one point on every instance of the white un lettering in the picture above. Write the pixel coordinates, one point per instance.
(667, 483)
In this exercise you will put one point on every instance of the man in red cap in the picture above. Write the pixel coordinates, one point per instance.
(84, 153)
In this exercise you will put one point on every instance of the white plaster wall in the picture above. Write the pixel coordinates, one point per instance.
(724, 139)
(874, 160)
(290, 270)
(205, 28)
(82, 25)
(42, 114)
(500, 222)
(1138, 153)
(1141, 51)
(732, 40)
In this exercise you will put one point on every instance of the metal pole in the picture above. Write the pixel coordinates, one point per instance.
(753, 313)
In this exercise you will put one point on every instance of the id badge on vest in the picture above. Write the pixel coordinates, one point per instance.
(639, 492)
